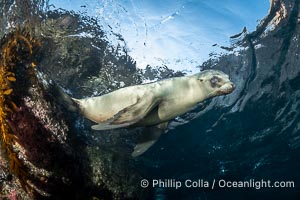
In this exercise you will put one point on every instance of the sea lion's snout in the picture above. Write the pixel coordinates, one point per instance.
(227, 88)
(233, 86)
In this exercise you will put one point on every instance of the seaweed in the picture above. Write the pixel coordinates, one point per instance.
(18, 50)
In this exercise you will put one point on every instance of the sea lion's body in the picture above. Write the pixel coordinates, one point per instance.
(172, 97)
(154, 103)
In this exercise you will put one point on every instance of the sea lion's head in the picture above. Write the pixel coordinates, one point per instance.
(215, 82)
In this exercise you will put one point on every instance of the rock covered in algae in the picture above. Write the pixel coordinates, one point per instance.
(34, 132)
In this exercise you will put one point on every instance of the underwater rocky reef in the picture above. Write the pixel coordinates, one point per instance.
(50, 153)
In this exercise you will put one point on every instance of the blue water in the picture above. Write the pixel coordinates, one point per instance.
(177, 33)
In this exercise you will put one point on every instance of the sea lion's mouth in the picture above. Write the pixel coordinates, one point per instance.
(227, 88)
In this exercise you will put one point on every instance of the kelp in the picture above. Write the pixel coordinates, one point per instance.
(18, 50)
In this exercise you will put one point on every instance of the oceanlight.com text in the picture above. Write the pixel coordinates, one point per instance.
(221, 183)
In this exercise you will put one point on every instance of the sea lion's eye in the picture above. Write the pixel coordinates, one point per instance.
(214, 80)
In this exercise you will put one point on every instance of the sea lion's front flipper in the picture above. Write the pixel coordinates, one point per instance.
(102, 127)
(129, 115)
(149, 136)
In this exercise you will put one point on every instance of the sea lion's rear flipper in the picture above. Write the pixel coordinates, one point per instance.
(63, 98)
(129, 115)
(149, 136)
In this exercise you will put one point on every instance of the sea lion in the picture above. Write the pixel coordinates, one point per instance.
(153, 104)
